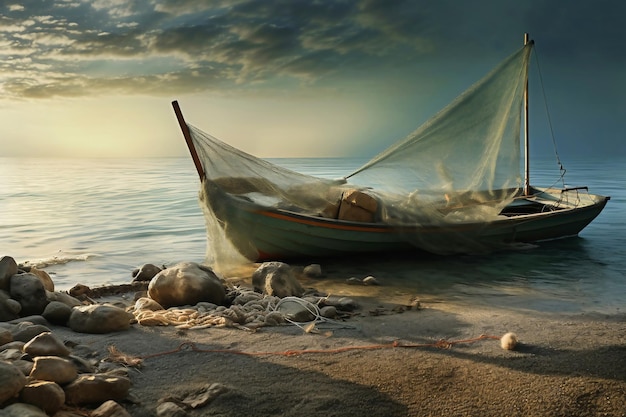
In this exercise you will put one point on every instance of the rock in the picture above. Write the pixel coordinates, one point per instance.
(205, 395)
(25, 366)
(64, 298)
(11, 354)
(146, 272)
(46, 395)
(43, 276)
(8, 268)
(330, 312)
(346, 304)
(145, 303)
(69, 413)
(295, 311)
(57, 312)
(53, 368)
(110, 409)
(99, 318)
(186, 283)
(12, 380)
(13, 345)
(26, 331)
(28, 290)
(354, 281)
(9, 308)
(30, 320)
(23, 410)
(79, 290)
(170, 409)
(277, 279)
(5, 337)
(370, 280)
(46, 344)
(313, 270)
(341, 303)
(96, 389)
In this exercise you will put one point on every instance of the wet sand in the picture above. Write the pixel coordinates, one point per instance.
(564, 365)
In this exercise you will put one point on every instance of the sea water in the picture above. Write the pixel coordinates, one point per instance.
(93, 221)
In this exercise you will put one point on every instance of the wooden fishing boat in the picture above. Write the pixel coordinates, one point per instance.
(266, 212)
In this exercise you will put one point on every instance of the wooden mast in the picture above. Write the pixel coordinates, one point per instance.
(526, 147)
(187, 135)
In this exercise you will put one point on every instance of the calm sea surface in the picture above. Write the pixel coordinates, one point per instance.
(93, 221)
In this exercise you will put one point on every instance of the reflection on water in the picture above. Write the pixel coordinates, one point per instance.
(556, 276)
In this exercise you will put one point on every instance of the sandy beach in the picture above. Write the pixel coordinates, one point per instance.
(385, 360)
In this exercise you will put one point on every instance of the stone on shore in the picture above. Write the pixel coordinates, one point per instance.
(26, 366)
(145, 303)
(63, 297)
(57, 312)
(26, 331)
(110, 409)
(43, 276)
(47, 395)
(296, 311)
(46, 344)
(99, 318)
(5, 336)
(54, 369)
(8, 268)
(12, 380)
(30, 320)
(186, 283)
(170, 409)
(96, 389)
(313, 270)
(23, 410)
(28, 290)
(330, 312)
(277, 279)
(9, 308)
(146, 272)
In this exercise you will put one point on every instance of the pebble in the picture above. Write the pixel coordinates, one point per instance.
(45, 344)
(370, 280)
(313, 270)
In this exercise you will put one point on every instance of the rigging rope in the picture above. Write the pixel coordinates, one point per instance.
(562, 169)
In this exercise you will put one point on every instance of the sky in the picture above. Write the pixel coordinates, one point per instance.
(294, 78)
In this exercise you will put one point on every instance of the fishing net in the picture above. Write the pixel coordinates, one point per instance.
(461, 167)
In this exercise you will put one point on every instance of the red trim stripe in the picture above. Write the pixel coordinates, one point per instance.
(328, 225)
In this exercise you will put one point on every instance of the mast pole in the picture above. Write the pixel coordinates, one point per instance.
(526, 141)
(187, 135)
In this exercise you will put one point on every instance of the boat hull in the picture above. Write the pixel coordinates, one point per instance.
(262, 233)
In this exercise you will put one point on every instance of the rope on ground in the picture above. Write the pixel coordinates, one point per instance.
(117, 356)
(315, 312)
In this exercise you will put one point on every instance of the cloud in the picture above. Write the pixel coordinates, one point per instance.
(79, 47)
(207, 44)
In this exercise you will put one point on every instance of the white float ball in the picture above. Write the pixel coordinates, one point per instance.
(508, 341)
